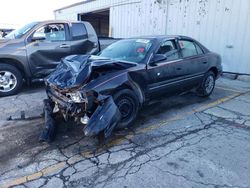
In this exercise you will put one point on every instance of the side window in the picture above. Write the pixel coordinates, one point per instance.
(169, 49)
(188, 48)
(199, 50)
(51, 32)
(79, 31)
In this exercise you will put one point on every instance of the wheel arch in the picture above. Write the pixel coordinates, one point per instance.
(17, 64)
(135, 88)
(114, 84)
(215, 71)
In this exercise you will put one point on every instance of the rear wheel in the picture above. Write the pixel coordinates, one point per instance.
(11, 80)
(127, 103)
(207, 86)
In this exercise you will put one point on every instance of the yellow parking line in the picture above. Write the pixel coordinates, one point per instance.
(181, 116)
(217, 102)
(37, 175)
(77, 158)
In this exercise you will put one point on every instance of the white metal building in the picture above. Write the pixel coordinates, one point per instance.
(221, 25)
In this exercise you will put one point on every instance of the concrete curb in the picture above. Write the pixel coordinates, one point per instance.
(245, 78)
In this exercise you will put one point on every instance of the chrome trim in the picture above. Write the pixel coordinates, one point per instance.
(174, 82)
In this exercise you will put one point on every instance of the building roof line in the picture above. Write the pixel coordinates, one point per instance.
(73, 5)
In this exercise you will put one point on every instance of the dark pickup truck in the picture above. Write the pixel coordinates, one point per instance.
(32, 52)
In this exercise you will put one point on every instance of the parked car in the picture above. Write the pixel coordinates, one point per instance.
(105, 92)
(32, 52)
(4, 32)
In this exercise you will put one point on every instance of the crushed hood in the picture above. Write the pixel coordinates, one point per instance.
(74, 71)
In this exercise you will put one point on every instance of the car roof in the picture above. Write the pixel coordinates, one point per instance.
(161, 37)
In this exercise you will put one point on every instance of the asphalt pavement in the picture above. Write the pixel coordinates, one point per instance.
(181, 141)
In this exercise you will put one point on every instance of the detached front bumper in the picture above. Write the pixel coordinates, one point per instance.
(101, 111)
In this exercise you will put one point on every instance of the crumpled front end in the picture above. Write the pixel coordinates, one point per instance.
(69, 95)
(98, 113)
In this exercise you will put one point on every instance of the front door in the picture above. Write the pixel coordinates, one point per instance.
(166, 76)
(47, 46)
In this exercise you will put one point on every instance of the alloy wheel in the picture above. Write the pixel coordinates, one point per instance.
(8, 81)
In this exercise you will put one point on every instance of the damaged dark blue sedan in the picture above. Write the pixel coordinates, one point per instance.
(105, 92)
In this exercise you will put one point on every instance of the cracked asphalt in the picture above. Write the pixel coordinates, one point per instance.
(182, 141)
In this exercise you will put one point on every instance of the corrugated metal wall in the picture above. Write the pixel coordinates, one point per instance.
(221, 25)
(71, 12)
(128, 18)
(139, 18)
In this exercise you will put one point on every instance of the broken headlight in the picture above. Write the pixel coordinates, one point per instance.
(77, 97)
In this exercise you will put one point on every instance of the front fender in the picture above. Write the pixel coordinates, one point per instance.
(109, 84)
(14, 52)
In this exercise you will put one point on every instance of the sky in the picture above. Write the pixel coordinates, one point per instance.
(19, 12)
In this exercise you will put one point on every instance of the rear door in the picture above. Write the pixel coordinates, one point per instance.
(51, 45)
(80, 43)
(196, 63)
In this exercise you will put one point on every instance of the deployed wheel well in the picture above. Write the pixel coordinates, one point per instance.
(214, 70)
(14, 63)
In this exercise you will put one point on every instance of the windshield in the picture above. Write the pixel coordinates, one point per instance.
(133, 50)
(18, 33)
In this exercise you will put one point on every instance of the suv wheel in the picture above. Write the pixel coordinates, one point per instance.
(127, 103)
(207, 86)
(11, 80)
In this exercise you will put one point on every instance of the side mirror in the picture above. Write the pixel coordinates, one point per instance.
(157, 58)
(38, 38)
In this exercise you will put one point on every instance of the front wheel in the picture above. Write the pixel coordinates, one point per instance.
(11, 80)
(207, 86)
(127, 102)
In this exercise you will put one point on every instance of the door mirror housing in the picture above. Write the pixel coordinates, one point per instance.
(157, 58)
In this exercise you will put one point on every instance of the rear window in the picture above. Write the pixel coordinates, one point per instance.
(199, 50)
(79, 31)
(188, 48)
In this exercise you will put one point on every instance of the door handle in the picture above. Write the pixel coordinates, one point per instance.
(179, 68)
(204, 62)
(64, 46)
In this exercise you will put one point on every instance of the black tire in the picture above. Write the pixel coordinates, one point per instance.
(207, 86)
(128, 104)
(15, 75)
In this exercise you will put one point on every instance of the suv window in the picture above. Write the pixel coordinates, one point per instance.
(51, 32)
(169, 49)
(79, 31)
(188, 48)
